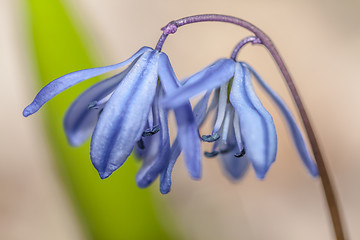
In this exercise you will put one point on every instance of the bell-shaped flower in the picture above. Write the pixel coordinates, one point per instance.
(243, 129)
(123, 111)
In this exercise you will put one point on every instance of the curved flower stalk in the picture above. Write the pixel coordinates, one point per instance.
(241, 118)
(123, 111)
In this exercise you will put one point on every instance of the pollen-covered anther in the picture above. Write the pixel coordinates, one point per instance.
(93, 105)
(211, 154)
(210, 138)
(149, 132)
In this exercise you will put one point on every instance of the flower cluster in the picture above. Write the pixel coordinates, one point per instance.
(129, 111)
(243, 129)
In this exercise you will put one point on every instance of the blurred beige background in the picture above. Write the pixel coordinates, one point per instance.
(319, 41)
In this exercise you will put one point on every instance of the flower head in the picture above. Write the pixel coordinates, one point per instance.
(123, 111)
(243, 130)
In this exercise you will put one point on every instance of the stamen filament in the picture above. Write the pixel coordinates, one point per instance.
(96, 104)
(237, 131)
(226, 125)
(221, 107)
(151, 119)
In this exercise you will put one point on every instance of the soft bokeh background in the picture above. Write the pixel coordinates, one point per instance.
(319, 41)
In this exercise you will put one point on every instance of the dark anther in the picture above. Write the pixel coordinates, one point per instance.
(149, 132)
(156, 128)
(140, 144)
(211, 154)
(242, 153)
(93, 105)
(210, 138)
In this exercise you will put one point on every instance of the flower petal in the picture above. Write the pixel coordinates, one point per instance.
(200, 115)
(227, 149)
(187, 130)
(165, 177)
(80, 121)
(62, 83)
(158, 157)
(211, 77)
(295, 131)
(122, 122)
(235, 167)
(257, 127)
(189, 140)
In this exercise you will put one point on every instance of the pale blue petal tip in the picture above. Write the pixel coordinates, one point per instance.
(314, 171)
(105, 174)
(165, 189)
(260, 176)
(196, 175)
(27, 112)
(260, 172)
(142, 183)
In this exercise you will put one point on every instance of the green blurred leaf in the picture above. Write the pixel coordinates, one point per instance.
(110, 209)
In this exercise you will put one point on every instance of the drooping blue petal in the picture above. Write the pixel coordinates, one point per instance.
(80, 121)
(200, 74)
(124, 117)
(158, 157)
(189, 140)
(257, 127)
(187, 130)
(295, 131)
(200, 115)
(212, 77)
(270, 126)
(165, 176)
(235, 167)
(62, 83)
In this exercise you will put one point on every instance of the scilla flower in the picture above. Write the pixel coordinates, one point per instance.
(243, 130)
(123, 111)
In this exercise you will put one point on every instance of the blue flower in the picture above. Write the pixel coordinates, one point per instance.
(123, 112)
(244, 130)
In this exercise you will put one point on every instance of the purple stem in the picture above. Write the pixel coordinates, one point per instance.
(329, 192)
(243, 42)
